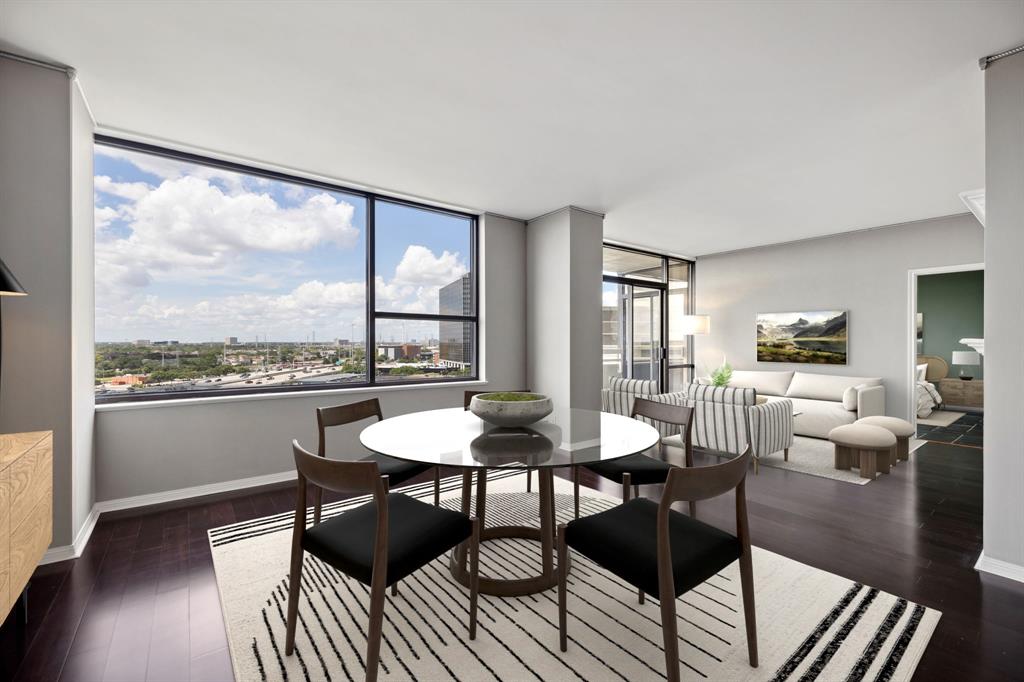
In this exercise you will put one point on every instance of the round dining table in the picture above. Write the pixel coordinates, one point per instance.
(457, 438)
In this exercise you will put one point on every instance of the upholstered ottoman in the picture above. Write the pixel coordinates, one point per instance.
(900, 428)
(873, 446)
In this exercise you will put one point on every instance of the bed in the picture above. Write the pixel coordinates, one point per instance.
(930, 368)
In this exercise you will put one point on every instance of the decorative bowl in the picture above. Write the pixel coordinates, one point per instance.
(510, 409)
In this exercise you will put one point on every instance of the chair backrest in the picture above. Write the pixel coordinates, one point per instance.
(342, 477)
(339, 415)
(618, 397)
(692, 484)
(701, 483)
(663, 416)
(467, 397)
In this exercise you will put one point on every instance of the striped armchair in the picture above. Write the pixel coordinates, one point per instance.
(726, 419)
(618, 397)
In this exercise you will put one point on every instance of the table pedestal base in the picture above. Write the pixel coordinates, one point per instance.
(503, 587)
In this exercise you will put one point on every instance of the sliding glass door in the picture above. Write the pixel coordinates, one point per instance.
(643, 297)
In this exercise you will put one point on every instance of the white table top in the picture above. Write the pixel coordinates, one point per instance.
(458, 438)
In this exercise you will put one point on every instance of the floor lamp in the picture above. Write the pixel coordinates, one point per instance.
(9, 286)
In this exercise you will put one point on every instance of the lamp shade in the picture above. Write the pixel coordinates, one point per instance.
(696, 324)
(966, 357)
(9, 284)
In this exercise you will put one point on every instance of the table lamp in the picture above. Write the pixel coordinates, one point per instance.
(966, 358)
(9, 286)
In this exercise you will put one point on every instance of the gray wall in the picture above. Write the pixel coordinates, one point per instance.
(45, 200)
(564, 307)
(1004, 312)
(152, 448)
(953, 305)
(865, 273)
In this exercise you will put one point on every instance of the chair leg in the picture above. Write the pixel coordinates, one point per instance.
(576, 491)
(474, 577)
(749, 614)
(785, 454)
(481, 496)
(529, 480)
(626, 482)
(671, 637)
(437, 486)
(294, 591)
(563, 575)
(318, 500)
(375, 628)
(394, 589)
(636, 491)
(755, 466)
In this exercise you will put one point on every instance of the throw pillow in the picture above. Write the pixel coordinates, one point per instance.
(850, 398)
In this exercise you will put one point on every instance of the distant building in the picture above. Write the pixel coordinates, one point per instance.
(456, 342)
(230, 340)
(165, 343)
(399, 351)
(142, 342)
(129, 380)
(410, 351)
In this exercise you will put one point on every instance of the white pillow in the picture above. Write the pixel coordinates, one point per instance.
(922, 372)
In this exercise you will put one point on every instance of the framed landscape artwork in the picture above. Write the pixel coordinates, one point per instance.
(813, 338)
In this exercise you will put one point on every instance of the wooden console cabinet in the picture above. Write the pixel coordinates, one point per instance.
(26, 510)
(960, 393)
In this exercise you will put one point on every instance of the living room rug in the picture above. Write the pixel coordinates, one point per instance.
(811, 624)
(941, 418)
(816, 457)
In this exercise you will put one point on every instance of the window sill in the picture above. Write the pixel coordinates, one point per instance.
(291, 395)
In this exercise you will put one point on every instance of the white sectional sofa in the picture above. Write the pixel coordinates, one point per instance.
(823, 401)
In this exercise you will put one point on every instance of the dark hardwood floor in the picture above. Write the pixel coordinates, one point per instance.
(141, 603)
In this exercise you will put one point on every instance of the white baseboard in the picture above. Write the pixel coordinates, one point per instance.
(999, 567)
(74, 550)
(194, 491)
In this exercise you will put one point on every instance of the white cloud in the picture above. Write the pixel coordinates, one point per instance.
(104, 216)
(419, 266)
(125, 190)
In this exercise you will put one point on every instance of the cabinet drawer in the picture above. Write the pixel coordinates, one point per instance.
(31, 479)
(952, 390)
(29, 542)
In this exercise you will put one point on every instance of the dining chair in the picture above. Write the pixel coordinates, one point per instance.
(467, 398)
(377, 543)
(666, 553)
(397, 470)
(641, 469)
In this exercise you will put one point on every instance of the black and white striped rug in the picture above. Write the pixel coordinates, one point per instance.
(811, 624)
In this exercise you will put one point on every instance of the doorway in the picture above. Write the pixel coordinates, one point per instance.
(946, 353)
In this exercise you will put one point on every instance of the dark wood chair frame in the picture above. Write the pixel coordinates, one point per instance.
(358, 478)
(690, 484)
(663, 412)
(340, 415)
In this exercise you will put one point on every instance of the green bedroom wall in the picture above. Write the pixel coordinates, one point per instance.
(953, 304)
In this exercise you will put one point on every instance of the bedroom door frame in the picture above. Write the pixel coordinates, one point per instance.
(911, 374)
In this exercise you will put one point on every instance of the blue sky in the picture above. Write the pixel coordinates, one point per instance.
(196, 254)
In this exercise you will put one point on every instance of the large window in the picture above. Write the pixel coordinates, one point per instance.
(214, 278)
(644, 298)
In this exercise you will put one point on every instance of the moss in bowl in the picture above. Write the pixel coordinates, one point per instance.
(509, 408)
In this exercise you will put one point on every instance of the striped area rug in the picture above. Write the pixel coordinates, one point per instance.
(811, 624)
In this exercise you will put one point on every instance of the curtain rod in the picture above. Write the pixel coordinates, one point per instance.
(985, 61)
(63, 68)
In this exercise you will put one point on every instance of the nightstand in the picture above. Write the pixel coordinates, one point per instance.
(962, 393)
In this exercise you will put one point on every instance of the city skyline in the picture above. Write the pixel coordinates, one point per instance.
(198, 253)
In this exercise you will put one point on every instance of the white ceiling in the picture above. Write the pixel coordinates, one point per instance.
(696, 127)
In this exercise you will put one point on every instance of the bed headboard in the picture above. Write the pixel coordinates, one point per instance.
(938, 368)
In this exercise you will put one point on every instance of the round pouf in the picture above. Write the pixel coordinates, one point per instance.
(871, 446)
(901, 428)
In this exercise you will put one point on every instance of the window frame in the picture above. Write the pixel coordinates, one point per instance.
(372, 314)
(664, 365)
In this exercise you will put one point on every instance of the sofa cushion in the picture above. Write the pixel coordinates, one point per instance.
(850, 397)
(817, 417)
(765, 383)
(633, 386)
(721, 394)
(825, 386)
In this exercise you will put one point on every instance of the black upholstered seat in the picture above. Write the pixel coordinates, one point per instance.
(643, 470)
(397, 470)
(417, 534)
(624, 540)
